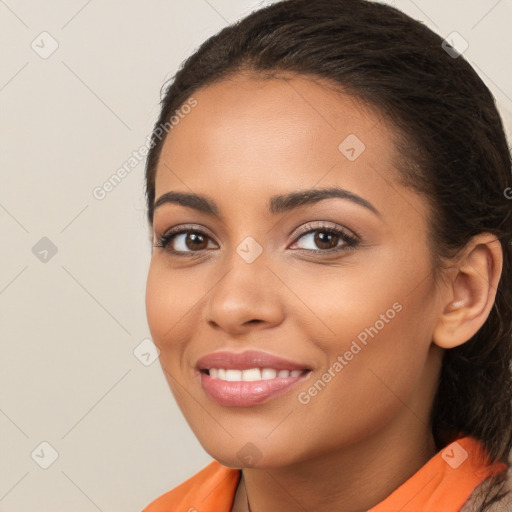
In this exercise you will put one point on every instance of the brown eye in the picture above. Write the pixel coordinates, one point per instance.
(184, 241)
(325, 239)
(195, 241)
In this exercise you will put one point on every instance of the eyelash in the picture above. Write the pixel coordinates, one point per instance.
(350, 242)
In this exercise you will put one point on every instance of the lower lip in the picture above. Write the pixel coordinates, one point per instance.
(245, 394)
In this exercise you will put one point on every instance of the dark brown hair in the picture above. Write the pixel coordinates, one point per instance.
(452, 149)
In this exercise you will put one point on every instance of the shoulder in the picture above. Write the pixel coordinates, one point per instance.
(211, 489)
(504, 504)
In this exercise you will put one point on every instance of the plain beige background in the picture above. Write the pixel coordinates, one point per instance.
(77, 393)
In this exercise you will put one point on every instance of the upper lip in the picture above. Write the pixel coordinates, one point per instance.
(246, 360)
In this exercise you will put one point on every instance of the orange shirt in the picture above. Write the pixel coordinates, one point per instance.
(444, 484)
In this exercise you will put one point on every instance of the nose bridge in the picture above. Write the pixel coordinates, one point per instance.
(249, 237)
(247, 270)
(249, 250)
(244, 292)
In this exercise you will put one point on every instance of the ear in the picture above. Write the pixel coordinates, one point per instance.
(469, 293)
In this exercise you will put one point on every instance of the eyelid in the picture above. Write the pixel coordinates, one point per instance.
(349, 239)
(304, 228)
(311, 226)
(184, 227)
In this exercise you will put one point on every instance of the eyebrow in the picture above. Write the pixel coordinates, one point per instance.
(277, 204)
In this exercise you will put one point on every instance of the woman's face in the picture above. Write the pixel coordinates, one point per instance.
(351, 310)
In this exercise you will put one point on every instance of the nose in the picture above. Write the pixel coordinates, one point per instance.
(247, 296)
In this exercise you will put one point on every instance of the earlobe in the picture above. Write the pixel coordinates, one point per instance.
(469, 295)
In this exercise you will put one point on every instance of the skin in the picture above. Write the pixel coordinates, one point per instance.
(367, 431)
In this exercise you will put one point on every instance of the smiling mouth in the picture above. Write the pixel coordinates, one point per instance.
(248, 387)
(245, 379)
(251, 374)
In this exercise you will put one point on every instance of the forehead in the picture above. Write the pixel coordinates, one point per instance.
(249, 136)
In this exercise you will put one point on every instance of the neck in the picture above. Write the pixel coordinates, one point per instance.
(352, 479)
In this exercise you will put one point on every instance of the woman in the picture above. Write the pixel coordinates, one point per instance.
(330, 282)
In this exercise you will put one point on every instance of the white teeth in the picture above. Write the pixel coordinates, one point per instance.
(251, 374)
(232, 375)
(268, 373)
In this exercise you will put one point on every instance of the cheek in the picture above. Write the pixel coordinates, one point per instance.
(165, 305)
(379, 323)
(368, 388)
(174, 299)
(392, 298)
(155, 305)
(166, 312)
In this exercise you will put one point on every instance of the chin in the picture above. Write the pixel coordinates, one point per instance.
(252, 455)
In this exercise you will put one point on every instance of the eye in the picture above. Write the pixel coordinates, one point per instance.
(189, 241)
(326, 238)
(184, 241)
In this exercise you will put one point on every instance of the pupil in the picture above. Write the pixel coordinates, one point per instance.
(196, 240)
(321, 239)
